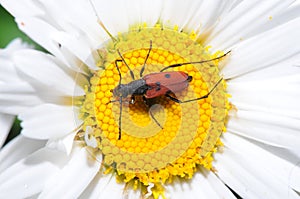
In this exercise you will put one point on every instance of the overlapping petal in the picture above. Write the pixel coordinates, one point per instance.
(31, 173)
(257, 173)
(6, 122)
(17, 149)
(45, 121)
(103, 186)
(16, 95)
(264, 50)
(202, 185)
(78, 172)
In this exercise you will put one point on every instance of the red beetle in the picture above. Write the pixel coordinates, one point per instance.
(155, 84)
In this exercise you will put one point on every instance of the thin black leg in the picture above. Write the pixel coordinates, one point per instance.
(151, 113)
(120, 119)
(191, 100)
(181, 102)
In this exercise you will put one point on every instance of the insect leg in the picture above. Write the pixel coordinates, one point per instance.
(143, 68)
(174, 99)
(120, 118)
(131, 73)
(151, 113)
(155, 120)
(195, 62)
(116, 63)
(191, 100)
(120, 99)
(132, 101)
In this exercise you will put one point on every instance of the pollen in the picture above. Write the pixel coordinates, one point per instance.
(162, 139)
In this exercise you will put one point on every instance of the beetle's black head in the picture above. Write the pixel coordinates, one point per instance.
(189, 79)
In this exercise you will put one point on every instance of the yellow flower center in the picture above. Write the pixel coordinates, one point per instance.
(159, 138)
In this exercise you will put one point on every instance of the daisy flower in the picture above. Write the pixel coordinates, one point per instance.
(152, 99)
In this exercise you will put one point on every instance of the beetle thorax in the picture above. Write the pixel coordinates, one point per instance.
(136, 87)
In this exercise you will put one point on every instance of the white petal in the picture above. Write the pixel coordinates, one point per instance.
(16, 44)
(285, 68)
(17, 149)
(207, 15)
(266, 127)
(15, 94)
(133, 194)
(267, 104)
(54, 40)
(127, 13)
(24, 8)
(281, 17)
(48, 71)
(212, 185)
(73, 178)
(6, 122)
(41, 32)
(287, 164)
(63, 144)
(78, 22)
(117, 22)
(103, 186)
(199, 16)
(16, 97)
(174, 10)
(149, 12)
(203, 185)
(48, 37)
(274, 45)
(278, 95)
(245, 20)
(253, 172)
(33, 196)
(8, 72)
(78, 45)
(28, 176)
(48, 121)
(78, 19)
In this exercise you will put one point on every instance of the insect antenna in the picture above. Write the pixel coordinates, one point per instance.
(120, 98)
(118, 69)
(195, 62)
(131, 73)
(143, 68)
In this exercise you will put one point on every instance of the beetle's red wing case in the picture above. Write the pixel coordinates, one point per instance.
(163, 82)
